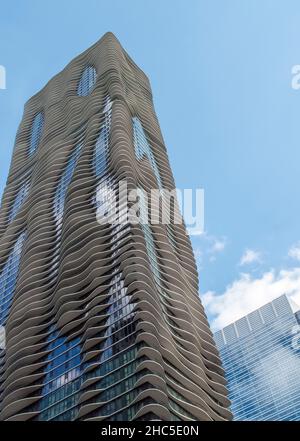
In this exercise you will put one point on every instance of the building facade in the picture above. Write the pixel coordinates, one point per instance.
(261, 357)
(102, 320)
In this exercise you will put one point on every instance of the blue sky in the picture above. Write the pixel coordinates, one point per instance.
(221, 78)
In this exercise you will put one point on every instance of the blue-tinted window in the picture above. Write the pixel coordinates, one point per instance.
(60, 195)
(59, 202)
(87, 81)
(143, 149)
(8, 278)
(62, 378)
(20, 197)
(262, 365)
(36, 132)
(102, 143)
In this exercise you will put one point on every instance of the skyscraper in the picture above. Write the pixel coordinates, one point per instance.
(261, 357)
(102, 320)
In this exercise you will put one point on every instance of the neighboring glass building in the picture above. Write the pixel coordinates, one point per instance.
(102, 321)
(261, 357)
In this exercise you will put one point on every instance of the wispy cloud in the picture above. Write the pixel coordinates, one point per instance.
(250, 256)
(248, 293)
(218, 245)
(210, 247)
(294, 251)
(198, 253)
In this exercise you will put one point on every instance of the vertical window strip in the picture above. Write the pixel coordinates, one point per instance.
(143, 149)
(102, 144)
(150, 244)
(120, 312)
(64, 359)
(59, 201)
(8, 278)
(60, 195)
(62, 379)
(87, 81)
(36, 132)
(19, 199)
(105, 198)
(152, 252)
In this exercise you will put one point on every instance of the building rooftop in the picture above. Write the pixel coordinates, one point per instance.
(254, 321)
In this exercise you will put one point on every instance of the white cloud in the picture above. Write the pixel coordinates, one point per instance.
(210, 247)
(294, 251)
(250, 256)
(248, 293)
(198, 253)
(217, 246)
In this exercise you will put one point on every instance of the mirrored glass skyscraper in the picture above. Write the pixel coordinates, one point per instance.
(261, 357)
(102, 320)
